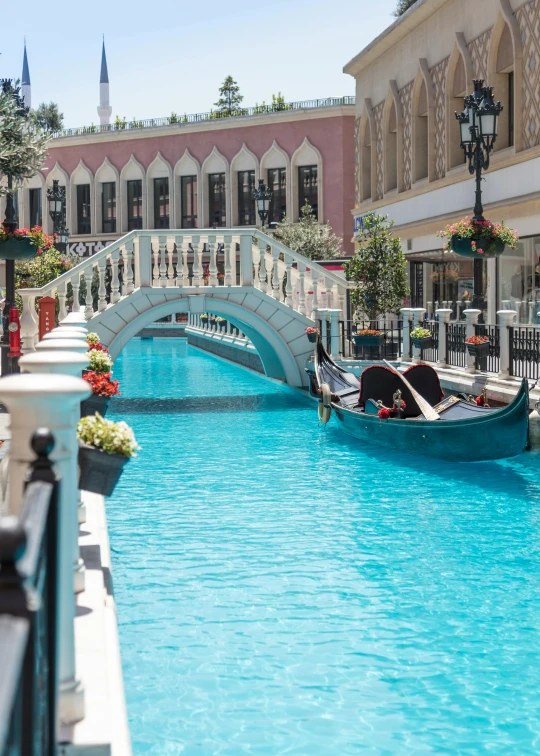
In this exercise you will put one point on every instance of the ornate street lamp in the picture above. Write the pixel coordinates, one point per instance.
(56, 198)
(478, 129)
(263, 198)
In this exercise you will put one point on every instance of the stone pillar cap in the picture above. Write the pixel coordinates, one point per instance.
(66, 363)
(65, 333)
(74, 318)
(472, 310)
(71, 345)
(36, 385)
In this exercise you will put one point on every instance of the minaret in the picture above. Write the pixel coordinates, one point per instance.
(26, 89)
(104, 109)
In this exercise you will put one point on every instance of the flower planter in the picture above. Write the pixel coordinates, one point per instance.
(95, 403)
(478, 350)
(425, 343)
(463, 247)
(99, 472)
(312, 337)
(17, 249)
(368, 340)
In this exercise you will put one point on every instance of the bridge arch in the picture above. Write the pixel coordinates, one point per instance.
(281, 359)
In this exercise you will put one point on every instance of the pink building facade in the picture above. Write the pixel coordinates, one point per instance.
(199, 174)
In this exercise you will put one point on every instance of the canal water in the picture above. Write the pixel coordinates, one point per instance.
(282, 589)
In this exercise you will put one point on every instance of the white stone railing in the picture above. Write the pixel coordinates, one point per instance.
(188, 259)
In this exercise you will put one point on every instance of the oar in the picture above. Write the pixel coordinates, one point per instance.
(427, 410)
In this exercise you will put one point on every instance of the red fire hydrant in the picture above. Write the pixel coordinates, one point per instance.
(14, 329)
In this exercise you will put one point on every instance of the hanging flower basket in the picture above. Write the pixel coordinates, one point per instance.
(368, 337)
(312, 334)
(95, 404)
(473, 249)
(23, 243)
(478, 346)
(99, 471)
(478, 239)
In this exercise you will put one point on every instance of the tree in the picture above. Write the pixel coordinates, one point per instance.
(23, 143)
(48, 117)
(230, 97)
(402, 6)
(311, 239)
(278, 102)
(377, 269)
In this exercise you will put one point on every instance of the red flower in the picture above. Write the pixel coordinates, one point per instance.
(98, 347)
(384, 413)
(101, 383)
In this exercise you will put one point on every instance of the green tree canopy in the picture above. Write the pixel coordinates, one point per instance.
(377, 270)
(230, 97)
(402, 6)
(48, 117)
(23, 143)
(308, 237)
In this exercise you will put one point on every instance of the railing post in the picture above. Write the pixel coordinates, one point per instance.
(334, 332)
(406, 334)
(471, 319)
(115, 279)
(246, 260)
(143, 261)
(444, 318)
(51, 401)
(29, 321)
(506, 320)
(418, 314)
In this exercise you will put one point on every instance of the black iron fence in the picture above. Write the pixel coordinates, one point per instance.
(524, 351)
(28, 614)
(490, 363)
(389, 349)
(431, 353)
(456, 351)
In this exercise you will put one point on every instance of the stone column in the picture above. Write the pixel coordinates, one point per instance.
(334, 332)
(444, 318)
(506, 319)
(64, 363)
(51, 401)
(418, 314)
(405, 334)
(74, 319)
(471, 319)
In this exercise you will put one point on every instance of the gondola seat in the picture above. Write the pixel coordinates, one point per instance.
(379, 382)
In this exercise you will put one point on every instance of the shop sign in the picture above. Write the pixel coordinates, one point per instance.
(359, 223)
(88, 248)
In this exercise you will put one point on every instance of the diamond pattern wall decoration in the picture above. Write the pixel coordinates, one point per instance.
(378, 114)
(357, 151)
(479, 49)
(528, 17)
(405, 96)
(438, 77)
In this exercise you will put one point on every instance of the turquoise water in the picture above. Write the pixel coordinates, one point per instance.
(283, 590)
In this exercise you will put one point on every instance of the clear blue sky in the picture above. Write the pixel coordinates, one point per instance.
(164, 57)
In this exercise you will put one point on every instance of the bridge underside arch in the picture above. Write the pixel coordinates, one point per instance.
(281, 358)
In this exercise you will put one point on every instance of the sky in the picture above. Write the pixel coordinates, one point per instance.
(165, 57)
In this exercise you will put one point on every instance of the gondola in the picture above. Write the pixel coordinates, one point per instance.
(463, 432)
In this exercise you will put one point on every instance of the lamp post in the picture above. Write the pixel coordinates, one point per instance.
(263, 198)
(56, 197)
(478, 130)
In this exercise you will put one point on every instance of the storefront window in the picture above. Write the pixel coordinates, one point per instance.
(519, 279)
(452, 282)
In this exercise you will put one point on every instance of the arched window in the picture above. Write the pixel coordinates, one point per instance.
(82, 201)
(160, 192)
(244, 177)
(187, 178)
(216, 183)
(132, 206)
(504, 83)
(107, 196)
(275, 171)
(365, 163)
(390, 148)
(456, 89)
(421, 132)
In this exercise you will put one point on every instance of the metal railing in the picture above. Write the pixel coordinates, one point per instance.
(390, 348)
(178, 120)
(29, 639)
(456, 351)
(524, 352)
(491, 363)
(431, 354)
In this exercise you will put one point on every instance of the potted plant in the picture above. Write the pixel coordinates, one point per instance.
(102, 390)
(421, 337)
(104, 449)
(479, 239)
(368, 337)
(99, 361)
(23, 243)
(221, 279)
(478, 346)
(221, 322)
(312, 334)
(204, 319)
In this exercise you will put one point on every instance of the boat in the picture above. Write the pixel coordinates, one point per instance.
(463, 431)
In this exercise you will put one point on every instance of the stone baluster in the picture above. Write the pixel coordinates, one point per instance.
(471, 319)
(162, 262)
(76, 285)
(127, 255)
(197, 261)
(115, 279)
(75, 319)
(180, 266)
(276, 293)
(531, 312)
(102, 290)
(213, 269)
(227, 258)
(506, 321)
(418, 314)
(506, 304)
(301, 288)
(53, 402)
(169, 244)
(429, 307)
(406, 334)
(89, 308)
(154, 246)
(29, 320)
(288, 282)
(62, 296)
(444, 316)
(256, 262)
(334, 332)
(518, 311)
(268, 265)
(246, 260)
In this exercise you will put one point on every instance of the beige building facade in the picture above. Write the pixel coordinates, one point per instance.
(409, 165)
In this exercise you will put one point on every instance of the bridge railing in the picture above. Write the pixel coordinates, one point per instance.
(191, 260)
